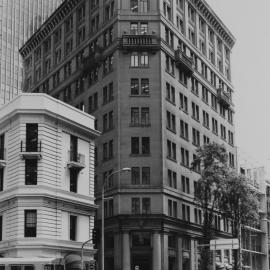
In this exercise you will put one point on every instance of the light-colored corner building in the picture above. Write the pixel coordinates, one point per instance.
(19, 19)
(46, 179)
(157, 77)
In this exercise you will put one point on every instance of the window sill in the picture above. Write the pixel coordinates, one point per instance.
(196, 144)
(184, 165)
(140, 155)
(139, 66)
(195, 93)
(183, 110)
(184, 138)
(172, 159)
(197, 120)
(215, 133)
(139, 95)
(206, 126)
(173, 131)
(139, 125)
(107, 102)
(170, 101)
(205, 101)
(170, 73)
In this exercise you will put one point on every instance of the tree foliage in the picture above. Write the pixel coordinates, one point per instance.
(221, 189)
(213, 162)
(240, 204)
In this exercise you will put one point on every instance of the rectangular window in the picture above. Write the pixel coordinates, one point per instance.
(231, 139)
(183, 102)
(205, 94)
(214, 102)
(145, 145)
(197, 216)
(1, 228)
(145, 116)
(135, 116)
(170, 93)
(184, 157)
(195, 86)
(146, 206)
(72, 227)
(145, 87)
(135, 205)
(214, 126)
(134, 87)
(185, 212)
(135, 175)
(172, 208)
(135, 145)
(195, 137)
(145, 175)
(171, 150)
(2, 146)
(30, 223)
(205, 119)
(195, 111)
(184, 130)
(223, 132)
(172, 179)
(30, 172)
(73, 181)
(31, 137)
(206, 140)
(185, 184)
(1, 179)
(171, 121)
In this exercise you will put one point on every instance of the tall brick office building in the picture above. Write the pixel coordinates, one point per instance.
(157, 77)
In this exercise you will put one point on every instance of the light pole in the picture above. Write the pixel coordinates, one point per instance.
(102, 212)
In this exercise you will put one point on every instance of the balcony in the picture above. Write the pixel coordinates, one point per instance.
(31, 150)
(3, 162)
(76, 161)
(224, 98)
(140, 43)
(184, 62)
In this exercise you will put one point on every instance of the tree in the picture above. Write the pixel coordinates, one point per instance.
(239, 202)
(213, 160)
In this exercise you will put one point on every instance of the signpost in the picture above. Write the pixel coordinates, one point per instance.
(220, 244)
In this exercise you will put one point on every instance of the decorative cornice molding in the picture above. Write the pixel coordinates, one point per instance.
(52, 22)
(214, 21)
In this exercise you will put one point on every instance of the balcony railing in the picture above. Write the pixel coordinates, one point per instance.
(224, 98)
(31, 150)
(140, 42)
(76, 160)
(184, 62)
(3, 162)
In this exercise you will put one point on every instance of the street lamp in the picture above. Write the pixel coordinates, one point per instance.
(102, 212)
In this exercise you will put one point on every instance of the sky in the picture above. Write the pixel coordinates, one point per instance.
(249, 22)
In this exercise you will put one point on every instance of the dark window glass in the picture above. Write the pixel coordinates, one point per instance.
(30, 223)
(135, 175)
(2, 145)
(31, 137)
(145, 145)
(73, 225)
(1, 227)
(1, 179)
(73, 148)
(30, 171)
(135, 145)
(73, 180)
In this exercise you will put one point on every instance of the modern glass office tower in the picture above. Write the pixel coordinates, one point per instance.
(19, 19)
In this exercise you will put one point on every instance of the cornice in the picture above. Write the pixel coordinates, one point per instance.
(52, 22)
(214, 21)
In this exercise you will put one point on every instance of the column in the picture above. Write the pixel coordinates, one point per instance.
(126, 251)
(192, 254)
(117, 251)
(165, 252)
(156, 251)
(179, 254)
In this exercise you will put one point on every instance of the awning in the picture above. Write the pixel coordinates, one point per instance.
(32, 260)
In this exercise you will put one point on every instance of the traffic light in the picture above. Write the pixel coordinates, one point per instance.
(96, 235)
